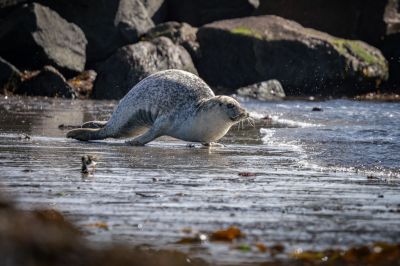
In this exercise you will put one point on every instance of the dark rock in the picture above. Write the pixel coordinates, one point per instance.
(367, 20)
(239, 52)
(10, 76)
(130, 64)
(180, 33)
(34, 35)
(47, 82)
(156, 9)
(264, 91)
(391, 49)
(200, 12)
(7, 3)
(316, 109)
(108, 25)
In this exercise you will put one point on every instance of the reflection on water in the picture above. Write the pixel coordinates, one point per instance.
(147, 195)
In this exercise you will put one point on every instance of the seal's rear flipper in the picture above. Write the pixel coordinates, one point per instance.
(86, 134)
(94, 124)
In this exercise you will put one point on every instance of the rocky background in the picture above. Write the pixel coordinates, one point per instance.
(261, 48)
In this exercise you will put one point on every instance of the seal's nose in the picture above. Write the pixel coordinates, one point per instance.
(244, 112)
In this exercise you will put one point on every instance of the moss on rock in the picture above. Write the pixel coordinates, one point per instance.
(370, 61)
(246, 32)
(356, 49)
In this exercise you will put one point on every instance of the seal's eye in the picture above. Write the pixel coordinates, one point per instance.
(230, 105)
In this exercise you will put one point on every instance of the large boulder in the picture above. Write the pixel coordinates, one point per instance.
(367, 20)
(108, 25)
(200, 12)
(239, 52)
(33, 35)
(46, 82)
(180, 33)
(10, 76)
(130, 64)
(156, 9)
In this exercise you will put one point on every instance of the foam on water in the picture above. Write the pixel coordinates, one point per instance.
(348, 136)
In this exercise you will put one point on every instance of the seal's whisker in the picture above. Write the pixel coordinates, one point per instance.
(251, 122)
(247, 120)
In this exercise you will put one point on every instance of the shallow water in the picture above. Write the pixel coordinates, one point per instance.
(310, 191)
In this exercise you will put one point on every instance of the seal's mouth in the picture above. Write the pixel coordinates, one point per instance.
(241, 116)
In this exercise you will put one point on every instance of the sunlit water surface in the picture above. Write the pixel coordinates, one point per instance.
(323, 179)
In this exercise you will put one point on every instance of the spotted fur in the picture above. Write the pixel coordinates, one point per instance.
(173, 102)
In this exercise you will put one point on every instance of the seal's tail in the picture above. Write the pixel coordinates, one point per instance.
(86, 134)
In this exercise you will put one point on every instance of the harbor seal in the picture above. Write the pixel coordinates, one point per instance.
(174, 103)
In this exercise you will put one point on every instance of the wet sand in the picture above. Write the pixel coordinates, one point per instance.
(150, 195)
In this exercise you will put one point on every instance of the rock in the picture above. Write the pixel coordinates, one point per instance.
(200, 12)
(83, 83)
(156, 9)
(108, 25)
(88, 164)
(316, 109)
(239, 52)
(391, 49)
(180, 33)
(7, 3)
(130, 64)
(264, 91)
(34, 35)
(10, 76)
(47, 82)
(367, 20)
(379, 97)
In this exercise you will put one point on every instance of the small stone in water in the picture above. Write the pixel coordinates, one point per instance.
(229, 234)
(24, 137)
(261, 247)
(246, 174)
(99, 225)
(88, 164)
(317, 109)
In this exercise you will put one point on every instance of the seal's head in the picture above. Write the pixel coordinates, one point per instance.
(212, 120)
(227, 108)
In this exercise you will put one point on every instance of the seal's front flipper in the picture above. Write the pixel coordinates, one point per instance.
(213, 144)
(94, 124)
(150, 135)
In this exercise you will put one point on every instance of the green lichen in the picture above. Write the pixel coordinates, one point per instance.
(372, 64)
(246, 32)
(356, 49)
